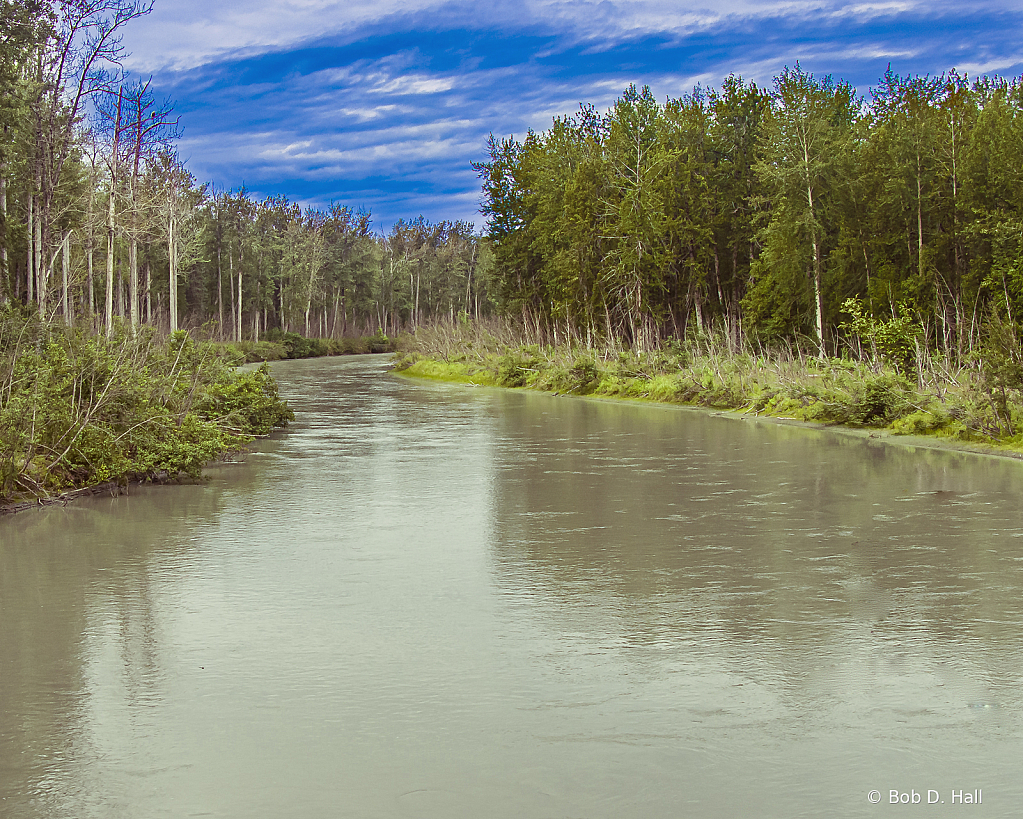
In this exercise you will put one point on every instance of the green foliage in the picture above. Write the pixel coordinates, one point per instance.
(771, 215)
(1001, 365)
(582, 376)
(879, 400)
(379, 342)
(265, 351)
(515, 367)
(277, 345)
(894, 340)
(348, 346)
(968, 404)
(297, 346)
(922, 422)
(78, 409)
(246, 404)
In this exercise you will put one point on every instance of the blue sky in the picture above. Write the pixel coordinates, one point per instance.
(385, 104)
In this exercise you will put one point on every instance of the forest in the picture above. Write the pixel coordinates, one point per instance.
(775, 213)
(799, 250)
(103, 223)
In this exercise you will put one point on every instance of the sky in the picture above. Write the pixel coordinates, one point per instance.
(384, 105)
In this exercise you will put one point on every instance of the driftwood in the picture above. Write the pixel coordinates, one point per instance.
(112, 488)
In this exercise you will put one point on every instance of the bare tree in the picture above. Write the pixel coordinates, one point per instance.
(71, 66)
(138, 127)
(180, 201)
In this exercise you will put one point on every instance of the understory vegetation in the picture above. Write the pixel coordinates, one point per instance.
(278, 346)
(876, 384)
(78, 409)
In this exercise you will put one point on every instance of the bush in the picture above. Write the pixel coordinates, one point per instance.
(515, 367)
(380, 343)
(347, 346)
(266, 351)
(921, 422)
(582, 377)
(1001, 366)
(78, 409)
(277, 345)
(894, 340)
(881, 400)
(297, 346)
(247, 404)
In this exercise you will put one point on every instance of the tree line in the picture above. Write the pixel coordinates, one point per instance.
(782, 212)
(799, 210)
(102, 223)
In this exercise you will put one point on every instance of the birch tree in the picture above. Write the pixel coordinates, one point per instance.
(805, 133)
(71, 66)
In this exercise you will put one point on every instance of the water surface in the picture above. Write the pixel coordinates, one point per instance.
(427, 600)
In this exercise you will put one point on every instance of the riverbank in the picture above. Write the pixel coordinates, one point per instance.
(278, 346)
(111, 488)
(80, 411)
(956, 407)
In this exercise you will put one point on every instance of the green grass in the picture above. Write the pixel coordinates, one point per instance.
(453, 371)
(951, 403)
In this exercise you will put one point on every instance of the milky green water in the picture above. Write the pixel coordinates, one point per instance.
(427, 600)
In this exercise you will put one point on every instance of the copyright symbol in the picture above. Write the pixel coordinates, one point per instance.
(874, 797)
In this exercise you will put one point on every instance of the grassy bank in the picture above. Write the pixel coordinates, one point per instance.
(974, 402)
(78, 409)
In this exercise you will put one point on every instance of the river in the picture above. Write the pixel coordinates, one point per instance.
(427, 600)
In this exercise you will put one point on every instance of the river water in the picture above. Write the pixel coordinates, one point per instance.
(427, 600)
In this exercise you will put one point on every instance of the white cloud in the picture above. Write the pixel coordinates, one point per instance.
(415, 84)
(993, 66)
(182, 34)
(370, 114)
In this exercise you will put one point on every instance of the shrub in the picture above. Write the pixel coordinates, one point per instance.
(515, 366)
(880, 401)
(380, 343)
(921, 422)
(1001, 368)
(247, 404)
(297, 346)
(78, 409)
(266, 351)
(894, 340)
(582, 377)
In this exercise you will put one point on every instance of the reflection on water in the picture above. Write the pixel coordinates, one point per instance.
(425, 600)
(835, 612)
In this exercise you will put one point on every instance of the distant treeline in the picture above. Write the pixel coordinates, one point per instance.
(763, 211)
(101, 222)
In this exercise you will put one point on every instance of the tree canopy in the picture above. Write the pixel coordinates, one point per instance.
(763, 211)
